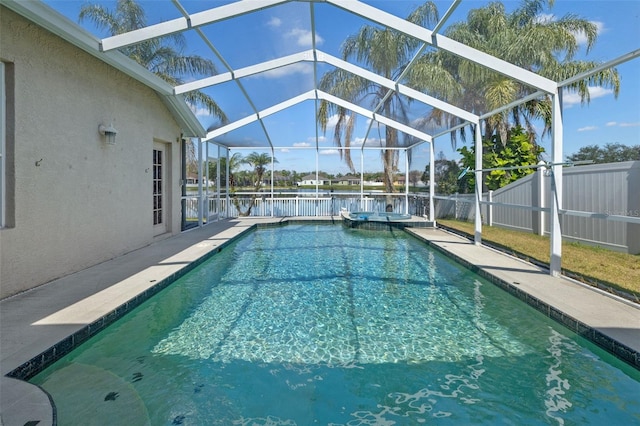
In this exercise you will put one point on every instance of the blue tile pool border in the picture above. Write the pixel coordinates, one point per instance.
(40, 362)
(37, 364)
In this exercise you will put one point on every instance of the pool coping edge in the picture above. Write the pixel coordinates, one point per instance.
(609, 344)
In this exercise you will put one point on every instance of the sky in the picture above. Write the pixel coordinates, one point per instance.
(284, 30)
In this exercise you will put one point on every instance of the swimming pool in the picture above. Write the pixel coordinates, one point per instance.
(321, 324)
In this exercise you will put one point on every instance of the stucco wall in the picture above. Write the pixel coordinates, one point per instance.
(78, 201)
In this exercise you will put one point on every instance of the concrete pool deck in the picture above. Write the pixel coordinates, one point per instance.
(37, 323)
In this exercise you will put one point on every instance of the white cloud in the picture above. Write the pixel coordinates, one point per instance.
(312, 140)
(298, 68)
(572, 98)
(599, 91)
(284, 150)
(587, 128)
(636, 124)
(329, 152)
(304, 37)
(301, 144)
(199, 112)
(544, 18)
(274, 22)
(370, 142)
(291, 34)
(616, 124)
(581, 37)
(332, 121)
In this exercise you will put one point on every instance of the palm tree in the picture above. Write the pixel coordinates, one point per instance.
(258, 162)
(162, 56)
(544, 46)
(386, 52)
(234, 163)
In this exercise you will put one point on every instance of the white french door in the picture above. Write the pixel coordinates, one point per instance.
(160, 165)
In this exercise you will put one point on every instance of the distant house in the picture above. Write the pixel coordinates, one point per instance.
(192, 179)
(311, 180)
(278, 179)
(347, 180)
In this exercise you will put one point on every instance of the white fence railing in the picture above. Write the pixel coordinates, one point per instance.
(326, 205)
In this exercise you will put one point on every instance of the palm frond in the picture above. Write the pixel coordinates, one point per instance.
(162, 56)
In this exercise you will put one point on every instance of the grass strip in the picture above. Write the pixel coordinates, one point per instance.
(609, 270)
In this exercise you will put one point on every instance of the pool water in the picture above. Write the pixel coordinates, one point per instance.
(321, 324)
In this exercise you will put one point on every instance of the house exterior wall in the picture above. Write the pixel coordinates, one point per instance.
(78, 201)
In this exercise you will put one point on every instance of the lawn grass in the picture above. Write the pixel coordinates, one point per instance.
(617, 272)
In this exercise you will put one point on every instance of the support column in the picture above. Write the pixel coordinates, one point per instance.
(478, 221)
(317, 172)
(227, 183)
(432, 178)
(200, 194)
(206, 179)
(362, 206)
(273, 159)
(218, 209)
(538, 199)
(406, 181)
(183, 179)
(555, 266)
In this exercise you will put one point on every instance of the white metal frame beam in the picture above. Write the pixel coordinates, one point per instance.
(310, 95)
(402, 89)
(446, 16)
(319, 56)
(192, 21)
(498, 65)
(318, 95)
(555, 263)
(245, 72)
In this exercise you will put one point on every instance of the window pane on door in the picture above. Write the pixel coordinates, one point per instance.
(157, 187)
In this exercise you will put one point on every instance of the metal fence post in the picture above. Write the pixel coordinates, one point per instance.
(490, 208)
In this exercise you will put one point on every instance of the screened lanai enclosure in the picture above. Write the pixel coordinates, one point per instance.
(348, 87)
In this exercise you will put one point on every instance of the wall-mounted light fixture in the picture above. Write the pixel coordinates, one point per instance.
(109, 133)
